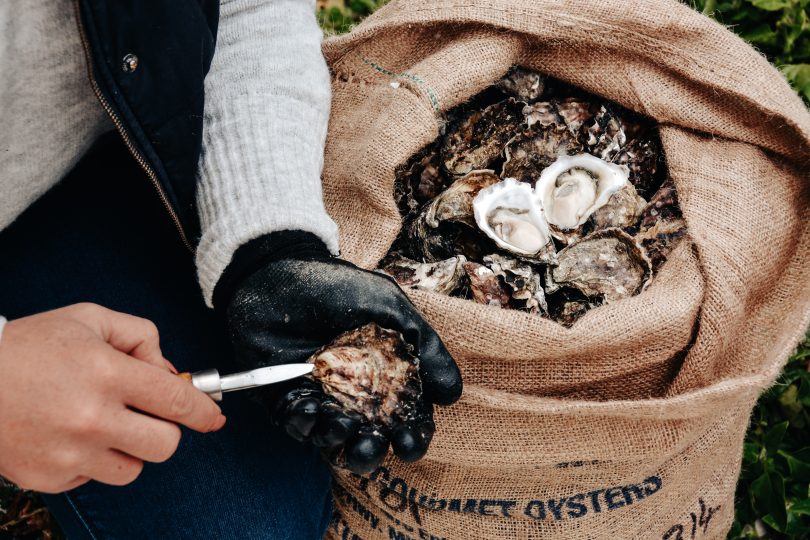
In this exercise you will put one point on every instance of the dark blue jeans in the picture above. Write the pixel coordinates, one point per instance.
(103, 236)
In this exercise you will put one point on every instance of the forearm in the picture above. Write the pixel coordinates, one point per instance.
(266, 115)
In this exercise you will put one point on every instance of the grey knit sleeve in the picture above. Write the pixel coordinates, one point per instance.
(266, 114)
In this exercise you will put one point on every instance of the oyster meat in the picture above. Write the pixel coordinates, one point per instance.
(508, 213)
(370, 371)
(573, 187)
(607, 264)
(442, 277)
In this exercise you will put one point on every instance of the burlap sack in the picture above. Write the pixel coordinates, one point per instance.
(630, 423)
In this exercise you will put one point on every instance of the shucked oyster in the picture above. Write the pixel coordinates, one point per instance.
(370, 371)
(607, 264)
(508, 213)
(442, 277)
(574, 187)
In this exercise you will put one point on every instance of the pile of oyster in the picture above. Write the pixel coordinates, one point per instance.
(537, 197)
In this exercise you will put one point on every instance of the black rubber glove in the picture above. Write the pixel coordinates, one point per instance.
(284, 297)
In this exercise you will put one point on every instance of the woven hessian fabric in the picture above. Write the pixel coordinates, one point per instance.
(630, 423)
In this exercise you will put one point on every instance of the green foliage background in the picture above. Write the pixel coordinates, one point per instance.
(773, 494)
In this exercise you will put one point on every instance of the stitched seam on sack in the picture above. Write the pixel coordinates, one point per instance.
(80, 516)
(420, 89)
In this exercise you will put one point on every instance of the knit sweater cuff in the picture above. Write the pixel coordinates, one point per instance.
(244, 197)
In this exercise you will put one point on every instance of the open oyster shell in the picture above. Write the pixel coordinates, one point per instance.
(508, 213)
(607, 264)
(370, 371)
(442, 277)
(478, 139)
(574, 187)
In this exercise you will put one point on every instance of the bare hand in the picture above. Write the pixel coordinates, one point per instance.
(74, 383)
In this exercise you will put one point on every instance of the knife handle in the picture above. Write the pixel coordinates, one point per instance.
(206, 381)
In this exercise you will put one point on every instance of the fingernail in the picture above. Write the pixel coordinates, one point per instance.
(219, 423)
(171, 367)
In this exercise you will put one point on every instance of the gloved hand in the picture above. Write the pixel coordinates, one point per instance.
(284, 297)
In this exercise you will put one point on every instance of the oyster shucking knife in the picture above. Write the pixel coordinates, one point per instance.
(214, 384)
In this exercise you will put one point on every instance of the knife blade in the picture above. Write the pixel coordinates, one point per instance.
(214, 384)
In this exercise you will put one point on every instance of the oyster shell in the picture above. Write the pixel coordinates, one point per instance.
(662, 225)
(574, 187)
(523, 280)
(442, 277)
(522, 83)
(438, 232)
(643, 156)
(605, 136)
(370, 371)
(531, 152)
(622, 209)
(485, 287)
(568, 305)
(478, 139)
(508, 213)
(456, 202)
(606, 264)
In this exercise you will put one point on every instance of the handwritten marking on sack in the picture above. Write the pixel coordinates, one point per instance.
(396, 496)
(699, 523)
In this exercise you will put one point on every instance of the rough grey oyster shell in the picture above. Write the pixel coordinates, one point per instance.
(662, 225)
(623, 209)
(419, 180)
(478, 139)
(643, 157)
(607, 264)
(568, 305)
(524, 84)
(523, 280)
(442, 277)
(605, 136)
(428, 239)
(370, 371)
(554, 131)
(485, 287)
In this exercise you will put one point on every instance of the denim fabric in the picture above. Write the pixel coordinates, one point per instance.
(103, 236)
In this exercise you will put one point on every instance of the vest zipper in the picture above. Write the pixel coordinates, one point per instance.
(119, 126)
